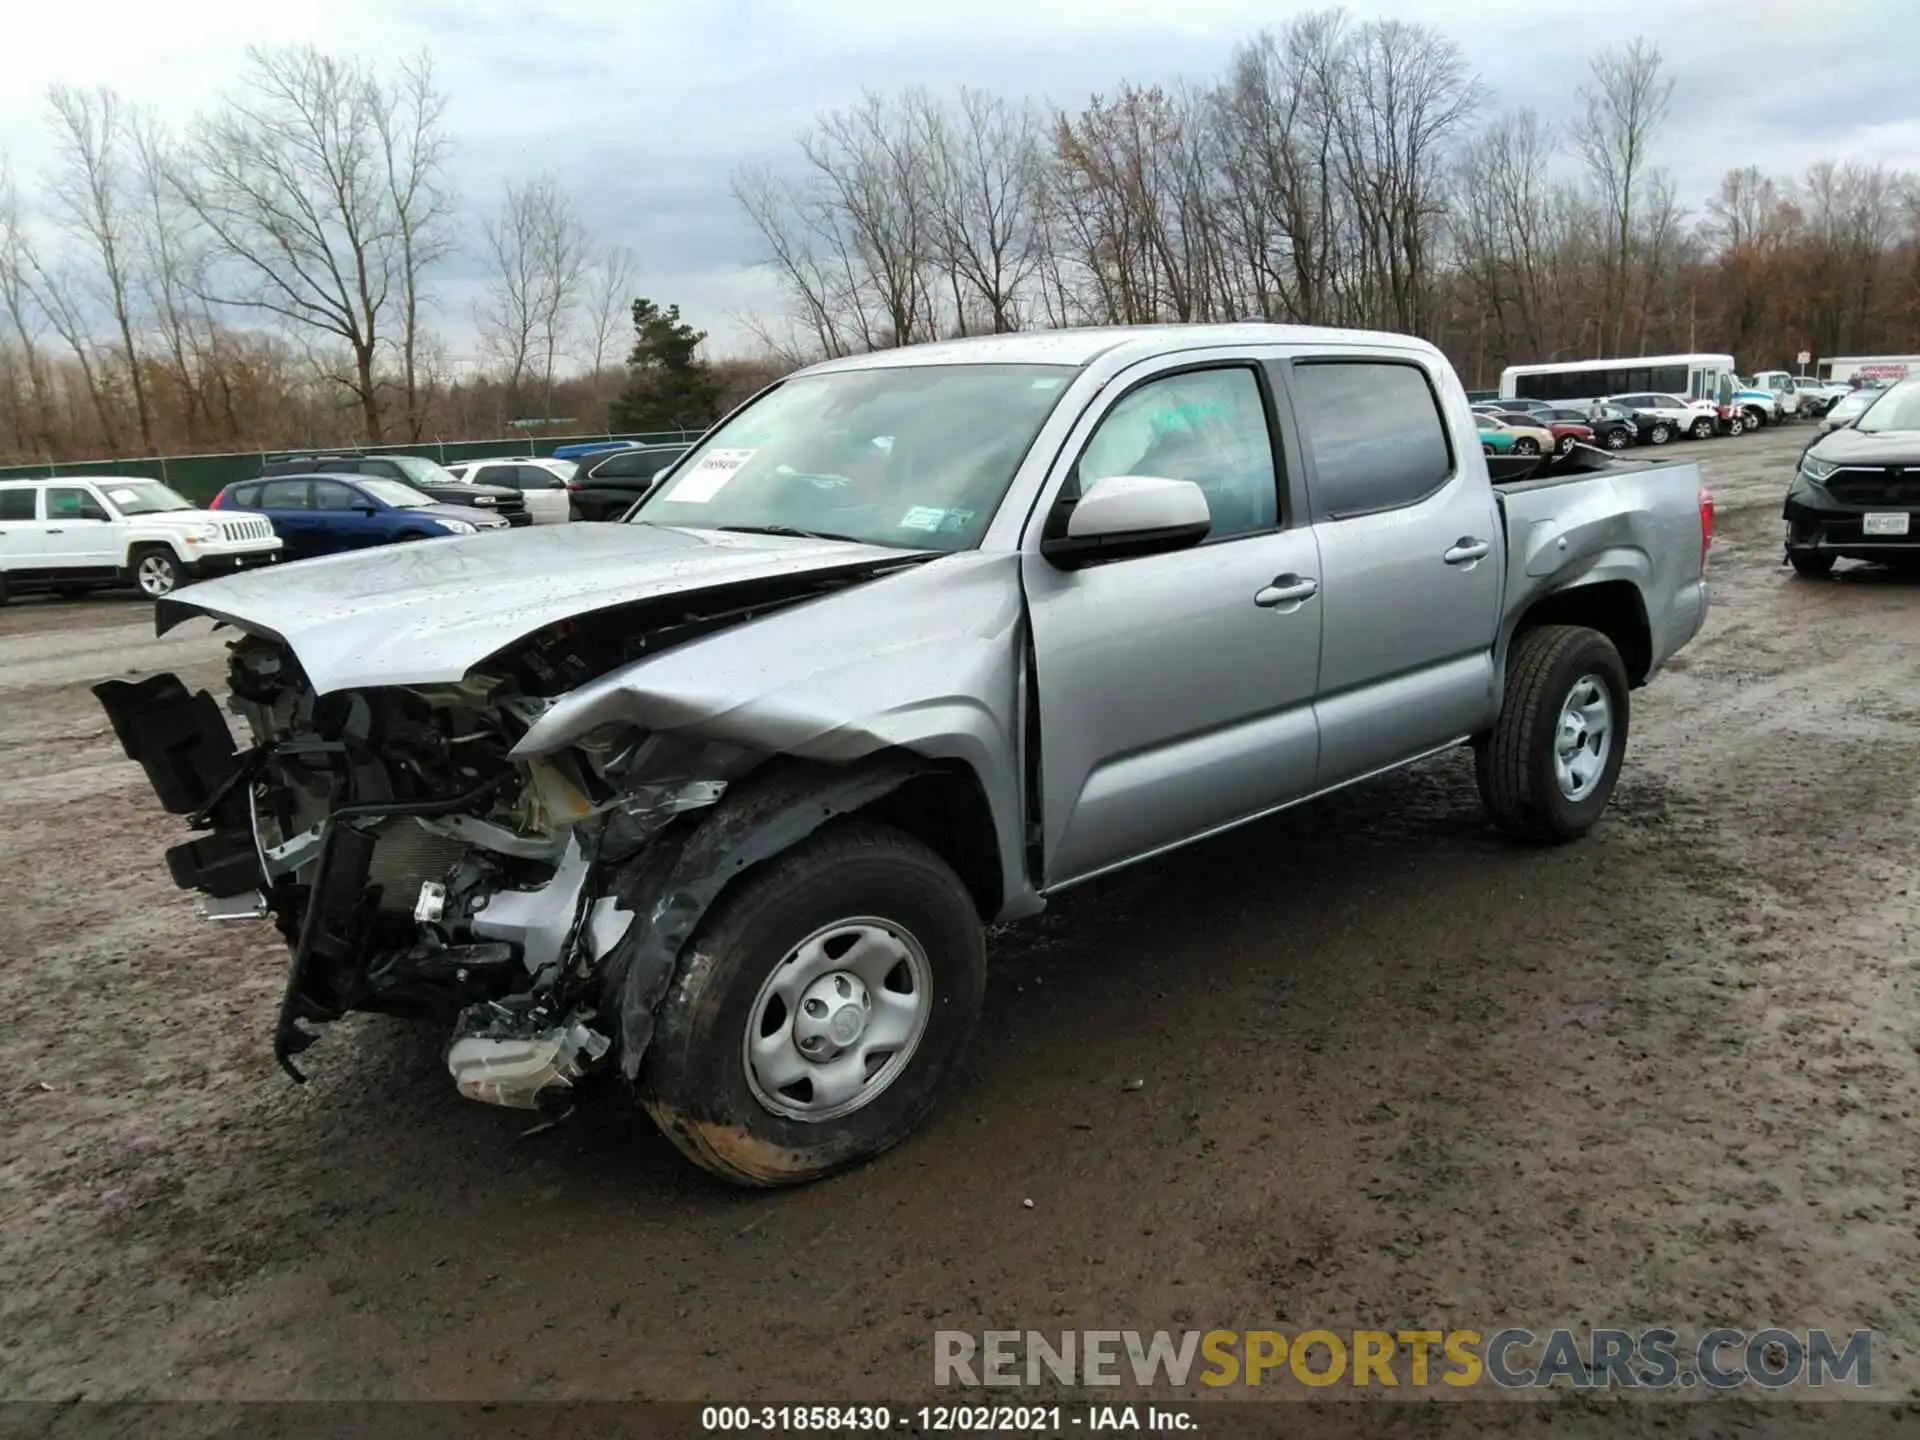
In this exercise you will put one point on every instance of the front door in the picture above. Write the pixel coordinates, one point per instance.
(78, 530)
(1411, 546)
(1176, 690)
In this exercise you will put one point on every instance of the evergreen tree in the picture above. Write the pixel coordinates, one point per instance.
(668, 386)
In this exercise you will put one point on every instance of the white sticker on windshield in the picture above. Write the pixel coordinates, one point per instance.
(123, 497)
(923, 517)
(710, 476)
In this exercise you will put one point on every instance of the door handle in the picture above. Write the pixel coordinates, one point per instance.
(1466, 550)
(56, 532)
(1286, 588)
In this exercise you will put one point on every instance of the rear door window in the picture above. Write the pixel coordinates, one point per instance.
(19, 503)
(1375, 432)
(284, 495)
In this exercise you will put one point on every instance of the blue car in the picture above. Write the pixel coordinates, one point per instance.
(325, 514)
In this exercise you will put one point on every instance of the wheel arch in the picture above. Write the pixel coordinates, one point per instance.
(1614, 607)
(675, 883)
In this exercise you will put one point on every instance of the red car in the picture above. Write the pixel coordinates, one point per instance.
(1566, 433)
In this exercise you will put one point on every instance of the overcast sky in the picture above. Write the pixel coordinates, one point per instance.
(642, 108)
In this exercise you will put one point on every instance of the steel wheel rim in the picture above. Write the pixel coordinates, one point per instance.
(1583, 738)
(838, 1020)
(155, 575)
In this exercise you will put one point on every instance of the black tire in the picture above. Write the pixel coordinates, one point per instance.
(4, 595)
(1515, 763)
(1810, 564)
(1486, 449)
(155, 571)
(1564, 445)
(1526, 446)
(693, 1079)
(1756, 419)
(1736, 425)
(1616, 439)
(1660, 434)
(1703, 429)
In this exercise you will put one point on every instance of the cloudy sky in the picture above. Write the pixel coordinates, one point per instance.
(642, 108)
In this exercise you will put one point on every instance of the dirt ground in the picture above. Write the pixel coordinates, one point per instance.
(1396, 1074)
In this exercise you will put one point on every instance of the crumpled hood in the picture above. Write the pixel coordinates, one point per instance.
(428, 611)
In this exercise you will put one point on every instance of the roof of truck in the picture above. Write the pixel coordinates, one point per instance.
(1079, 347)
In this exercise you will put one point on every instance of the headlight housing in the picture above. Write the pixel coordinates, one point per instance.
(458, 527)
(1814, 468)
(204, 534)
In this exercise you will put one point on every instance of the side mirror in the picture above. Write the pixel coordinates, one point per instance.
(1128, 515)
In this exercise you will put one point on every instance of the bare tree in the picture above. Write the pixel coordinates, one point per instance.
(91, 202)
(538, 253)
(1623, 108)
(416, 147)
(607, 309)
(984, 171)
(31, 402)
(294, 177)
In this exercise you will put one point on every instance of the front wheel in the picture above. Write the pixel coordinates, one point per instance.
(1756, 419)
(1524, 446)
(1703, 429)
(156, 572)
(1660, 434)
(1563, 447)
(1548, 769)
(1736, 425)
(1616, 439)
(819, 1009)
(1811, 564)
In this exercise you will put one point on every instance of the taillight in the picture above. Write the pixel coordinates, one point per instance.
(572, 486)
(1706, 527)
(214, 504)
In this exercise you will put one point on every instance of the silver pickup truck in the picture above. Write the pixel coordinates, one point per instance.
(722, 798)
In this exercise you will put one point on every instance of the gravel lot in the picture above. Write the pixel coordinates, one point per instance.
(1396, 1074)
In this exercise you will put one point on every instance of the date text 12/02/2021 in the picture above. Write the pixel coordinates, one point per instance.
(946, 1419)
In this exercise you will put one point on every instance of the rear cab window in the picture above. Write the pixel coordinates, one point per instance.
(1374, 432)
(20, 502)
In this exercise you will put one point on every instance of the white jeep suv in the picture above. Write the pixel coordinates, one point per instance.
(70, 534)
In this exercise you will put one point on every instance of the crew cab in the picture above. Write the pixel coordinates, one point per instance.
(1856, 492)
(74, 535)
(722, 799)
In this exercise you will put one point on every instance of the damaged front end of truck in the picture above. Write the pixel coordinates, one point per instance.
(423, 853)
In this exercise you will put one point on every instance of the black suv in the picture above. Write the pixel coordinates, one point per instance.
(427, 476)
(1856, 495)
(606, 486)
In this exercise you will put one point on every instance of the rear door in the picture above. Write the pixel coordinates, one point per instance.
(1409, 535)
(1175, 691)
(340, 515)
(288, 504)
(22, 546)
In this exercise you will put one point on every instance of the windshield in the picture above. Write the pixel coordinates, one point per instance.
(914, 455)
(1895, 409)
(143, 497)
(392, 492)
(423, 472)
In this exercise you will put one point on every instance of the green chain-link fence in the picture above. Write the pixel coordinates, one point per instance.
(199, 477)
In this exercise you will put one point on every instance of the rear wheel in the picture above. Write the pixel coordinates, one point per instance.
(1736, 425)
(156, 571)
(819, 1009)
(1810, 564)
(1660, 433)
(1616, 439)
(1564, 445)
(1549, 767)
(1526, 446)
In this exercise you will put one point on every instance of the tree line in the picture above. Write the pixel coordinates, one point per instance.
(1338, 172)
(269, 276)
(272, 274)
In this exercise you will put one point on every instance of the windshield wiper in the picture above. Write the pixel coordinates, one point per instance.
(790, 530)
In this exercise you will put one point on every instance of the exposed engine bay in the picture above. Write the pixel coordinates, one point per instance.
(415, 867)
